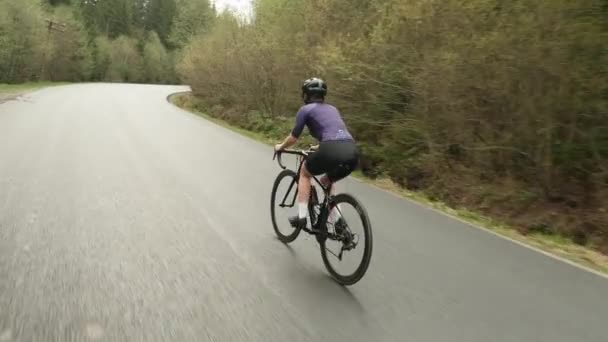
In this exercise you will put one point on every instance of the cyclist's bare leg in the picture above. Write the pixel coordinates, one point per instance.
(304, 185)
(303, 196)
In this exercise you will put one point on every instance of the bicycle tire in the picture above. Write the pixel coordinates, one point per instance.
(368, 244)
(296, 231)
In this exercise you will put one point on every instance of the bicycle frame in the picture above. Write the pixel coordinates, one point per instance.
(324, 212)
(322, 229)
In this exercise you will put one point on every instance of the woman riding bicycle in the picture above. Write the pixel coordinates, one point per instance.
(337, 155)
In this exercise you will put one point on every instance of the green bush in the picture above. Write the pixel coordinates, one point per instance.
(440, 94)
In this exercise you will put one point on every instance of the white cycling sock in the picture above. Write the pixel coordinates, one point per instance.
(302, 209)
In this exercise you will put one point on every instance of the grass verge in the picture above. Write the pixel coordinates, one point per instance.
(553, 244)
(8, 91)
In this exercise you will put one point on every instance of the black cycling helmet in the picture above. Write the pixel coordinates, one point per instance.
(314, 87)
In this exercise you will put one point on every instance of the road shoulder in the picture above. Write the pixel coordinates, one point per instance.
(9, 92)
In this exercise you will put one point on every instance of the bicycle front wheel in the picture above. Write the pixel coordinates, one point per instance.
(347, 251)
(282, 200)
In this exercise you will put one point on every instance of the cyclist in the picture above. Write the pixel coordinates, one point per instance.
(336, 156)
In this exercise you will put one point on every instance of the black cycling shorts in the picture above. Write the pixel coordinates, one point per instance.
(337, 159)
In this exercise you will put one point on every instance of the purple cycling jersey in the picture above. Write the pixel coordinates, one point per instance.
(323, 121)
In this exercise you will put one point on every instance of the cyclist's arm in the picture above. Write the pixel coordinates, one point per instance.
(292, 138)
(288, 142)
(301, 119)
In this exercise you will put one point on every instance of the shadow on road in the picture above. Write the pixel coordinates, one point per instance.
(327, 290)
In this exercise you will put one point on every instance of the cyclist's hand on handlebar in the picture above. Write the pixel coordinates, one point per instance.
(313, 147)
(278, 147)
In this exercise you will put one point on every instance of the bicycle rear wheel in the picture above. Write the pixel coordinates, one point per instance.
(282, 199)
(344, 243)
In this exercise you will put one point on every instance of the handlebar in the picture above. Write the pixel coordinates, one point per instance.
(302, 153)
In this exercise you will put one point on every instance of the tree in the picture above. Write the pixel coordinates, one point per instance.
(193, 17)
(125, 61)
(21, 45)
(111, 18)
(159, 17)
(156, 61)
(68, 57)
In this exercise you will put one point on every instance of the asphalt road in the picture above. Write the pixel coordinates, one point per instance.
(123, 218)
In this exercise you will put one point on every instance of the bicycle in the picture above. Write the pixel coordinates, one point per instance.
(319, 214)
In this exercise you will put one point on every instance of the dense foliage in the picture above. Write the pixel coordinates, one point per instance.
(99, 40)
(501, 106)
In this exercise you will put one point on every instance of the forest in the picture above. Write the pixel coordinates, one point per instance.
(497, 106)
(97, 40)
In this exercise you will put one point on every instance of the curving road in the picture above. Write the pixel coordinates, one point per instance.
(123, 218)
